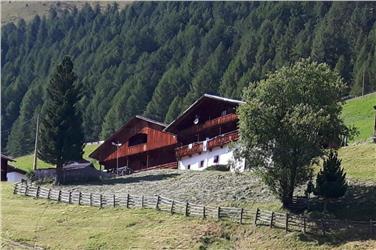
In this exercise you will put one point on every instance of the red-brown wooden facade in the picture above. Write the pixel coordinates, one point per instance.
(144, 145)
(210, 118)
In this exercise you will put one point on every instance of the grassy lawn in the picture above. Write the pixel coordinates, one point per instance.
(26, 162)
(359, 161)
(359, 112)
(60, 226)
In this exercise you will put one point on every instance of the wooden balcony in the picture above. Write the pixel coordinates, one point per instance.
(198, 147)
(210, 123)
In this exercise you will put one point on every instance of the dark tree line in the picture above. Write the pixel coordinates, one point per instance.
(155, 58)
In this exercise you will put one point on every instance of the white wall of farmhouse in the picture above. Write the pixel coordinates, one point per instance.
(207, 158)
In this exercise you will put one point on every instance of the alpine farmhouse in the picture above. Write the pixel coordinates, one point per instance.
(197, 139)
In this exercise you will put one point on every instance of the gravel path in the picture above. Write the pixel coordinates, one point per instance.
(206, 187)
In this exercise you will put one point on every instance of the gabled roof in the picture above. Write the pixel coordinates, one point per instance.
(124, 127)
(7, 158)
(14, 169)
(198, 102)
(150, 120)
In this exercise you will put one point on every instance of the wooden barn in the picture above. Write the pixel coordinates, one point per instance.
(10, 173)
(204, 132)
(4, 166)
(140, 144)
(76, 172)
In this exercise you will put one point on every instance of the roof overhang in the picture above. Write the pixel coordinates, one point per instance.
(196, 103)
(7, 158)
(127, 125)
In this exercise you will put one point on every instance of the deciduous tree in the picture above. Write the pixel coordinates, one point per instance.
(288, 120)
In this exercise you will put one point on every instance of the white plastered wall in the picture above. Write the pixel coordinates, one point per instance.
(225, 154)
(15, 177)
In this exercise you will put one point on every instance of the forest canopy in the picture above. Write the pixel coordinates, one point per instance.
(155, 58)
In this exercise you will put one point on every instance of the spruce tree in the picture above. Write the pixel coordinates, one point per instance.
(331, 180)
(61, 138)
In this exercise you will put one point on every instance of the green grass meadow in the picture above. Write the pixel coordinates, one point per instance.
(359, 112)
(26, 162)
(51, 225)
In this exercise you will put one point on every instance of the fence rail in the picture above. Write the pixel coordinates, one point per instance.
(289, 222)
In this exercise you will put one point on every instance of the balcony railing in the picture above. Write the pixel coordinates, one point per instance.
(197, 147)
(210, 123)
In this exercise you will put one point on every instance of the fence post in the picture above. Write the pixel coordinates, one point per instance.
(323, 227)
(49, 193)
(172, 207)
(15, 188)
(304, 224)
(271, 220)
(219, 213)
(79, 198)
(100, 201)
(37, 193)
(203, 212)
(113, 200)
(256, 216)
(186, 209)
(287, 222)
(59, 197)
(91, 199)
(142, 201)
(26, 187)
(157, 203)
(241, 215)
(127, 204)
(70, 197)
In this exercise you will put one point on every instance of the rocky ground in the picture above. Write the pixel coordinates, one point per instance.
(204, 187)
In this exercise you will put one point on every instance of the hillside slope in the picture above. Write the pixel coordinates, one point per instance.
(359, 112)
(13, 11)
(38, 222)
(156, 58)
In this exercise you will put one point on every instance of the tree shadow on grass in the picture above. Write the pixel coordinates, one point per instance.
(336, 239)
(359, 203)
(353, 213)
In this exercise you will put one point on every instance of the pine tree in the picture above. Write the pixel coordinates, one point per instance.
(61, 137)
(331, 180)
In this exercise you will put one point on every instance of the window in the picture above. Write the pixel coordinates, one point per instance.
(201, 164)
(137, 139)
(189, 166)
(216, 159)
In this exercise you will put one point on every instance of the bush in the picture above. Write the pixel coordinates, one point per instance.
(222, 167)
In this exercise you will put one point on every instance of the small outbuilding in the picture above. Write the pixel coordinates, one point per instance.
(4, 166)
(73, 172)
(15, 174)
(80, 172)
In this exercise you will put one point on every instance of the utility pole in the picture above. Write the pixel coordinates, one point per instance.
(364, 71)
(36, 144)
(117, 145)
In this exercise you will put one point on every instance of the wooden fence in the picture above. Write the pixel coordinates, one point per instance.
(289, 222)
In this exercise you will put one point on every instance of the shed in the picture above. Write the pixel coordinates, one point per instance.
(15, 174)
(80, 172)
(4, 166)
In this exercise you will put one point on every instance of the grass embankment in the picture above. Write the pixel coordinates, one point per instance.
(359, 112)
(26, 162)
(60, 226)
(359, 161)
